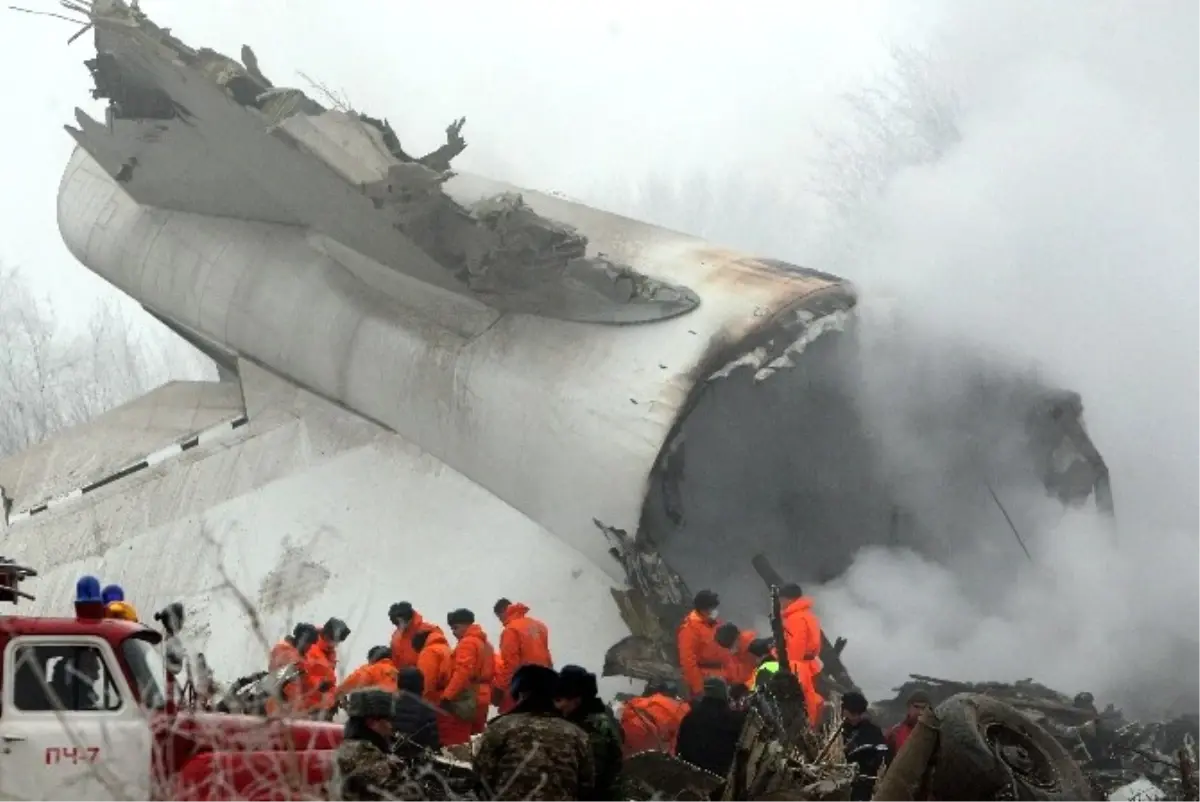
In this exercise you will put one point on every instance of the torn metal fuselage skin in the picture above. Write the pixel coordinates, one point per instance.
(775, 453)
(696, 404)
(194, 118)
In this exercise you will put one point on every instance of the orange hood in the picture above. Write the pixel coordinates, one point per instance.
(326, 648)
(515, 611)
(436, 638)
(414, 624)
(694, 619)
(473, 631)
(800, 605)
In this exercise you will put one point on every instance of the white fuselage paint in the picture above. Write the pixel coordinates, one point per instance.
(561, 420)
(307, 512)
(511, 432)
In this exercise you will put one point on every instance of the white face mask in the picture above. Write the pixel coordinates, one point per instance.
(714, 615)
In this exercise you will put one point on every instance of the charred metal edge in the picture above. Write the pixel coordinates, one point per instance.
(822, 302)
(786, 324)
(160, 456)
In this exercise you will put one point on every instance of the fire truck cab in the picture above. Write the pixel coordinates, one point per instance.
(86, 713)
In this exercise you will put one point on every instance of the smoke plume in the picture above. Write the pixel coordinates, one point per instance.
(1032, 193)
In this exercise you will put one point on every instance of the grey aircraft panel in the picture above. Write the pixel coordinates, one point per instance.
(117, 439)
(194, 131)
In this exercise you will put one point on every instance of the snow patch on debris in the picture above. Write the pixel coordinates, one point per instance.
(767, 361)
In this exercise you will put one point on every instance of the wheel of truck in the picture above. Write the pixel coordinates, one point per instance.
(989, 750)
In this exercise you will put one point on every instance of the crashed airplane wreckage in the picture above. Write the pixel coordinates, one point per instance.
(437, 386)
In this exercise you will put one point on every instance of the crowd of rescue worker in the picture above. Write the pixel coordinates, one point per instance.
(460, 682)
(554, 737)
(722, 666)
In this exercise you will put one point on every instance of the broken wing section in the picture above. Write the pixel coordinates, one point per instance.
(193, 130)
(304, 511)
(170, 420)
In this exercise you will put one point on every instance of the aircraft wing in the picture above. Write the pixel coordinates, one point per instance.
(258, 504)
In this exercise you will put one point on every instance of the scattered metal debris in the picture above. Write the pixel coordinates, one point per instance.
(377, 197)
(1111, 751)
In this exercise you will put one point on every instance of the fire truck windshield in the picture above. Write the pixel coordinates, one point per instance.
(148, 670)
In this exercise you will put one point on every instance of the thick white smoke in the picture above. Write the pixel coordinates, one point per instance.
(1034, 193)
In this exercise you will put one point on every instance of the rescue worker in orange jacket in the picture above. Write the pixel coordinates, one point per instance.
(740, 665)
(802, 629)
(377, 673)
(290, 652)
(320, 669)
(436, 663)
(524, 641)
(650, 722)
(699, 655)
(408, 622)
(470, 683)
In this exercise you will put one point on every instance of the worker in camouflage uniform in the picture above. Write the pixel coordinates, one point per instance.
(532, 752)
(364, 768)
(578, 698)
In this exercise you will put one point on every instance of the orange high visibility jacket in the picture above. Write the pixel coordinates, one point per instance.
(524, 641)
(700, 655)
(651, 723)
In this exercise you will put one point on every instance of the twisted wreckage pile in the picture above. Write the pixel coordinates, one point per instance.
(1114, 754)
(977, 741)
(987, 740)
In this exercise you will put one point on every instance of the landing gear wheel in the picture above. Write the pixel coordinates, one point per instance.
(988, 750)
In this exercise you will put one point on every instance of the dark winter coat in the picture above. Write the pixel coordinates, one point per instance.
(605, 738)
(708, 735)
(867, 748)
(363, 769)
(415, 719)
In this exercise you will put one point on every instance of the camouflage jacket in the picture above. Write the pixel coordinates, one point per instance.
(538, 756)
(605, 739)
(363, 771)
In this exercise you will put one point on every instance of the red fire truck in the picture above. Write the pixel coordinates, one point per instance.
(88, 712)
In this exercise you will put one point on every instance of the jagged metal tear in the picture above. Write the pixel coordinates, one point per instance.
(774, 454)
(193, 130)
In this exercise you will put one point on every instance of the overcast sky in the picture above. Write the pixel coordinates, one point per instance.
(557, 95)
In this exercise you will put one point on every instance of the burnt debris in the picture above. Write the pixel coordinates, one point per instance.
(1111, 750)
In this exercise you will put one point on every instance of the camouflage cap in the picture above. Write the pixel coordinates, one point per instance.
(370, 704)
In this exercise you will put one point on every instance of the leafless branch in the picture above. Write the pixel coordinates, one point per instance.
(48, 14)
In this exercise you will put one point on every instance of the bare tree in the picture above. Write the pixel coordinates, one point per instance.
(906, 117)
(51, 378)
